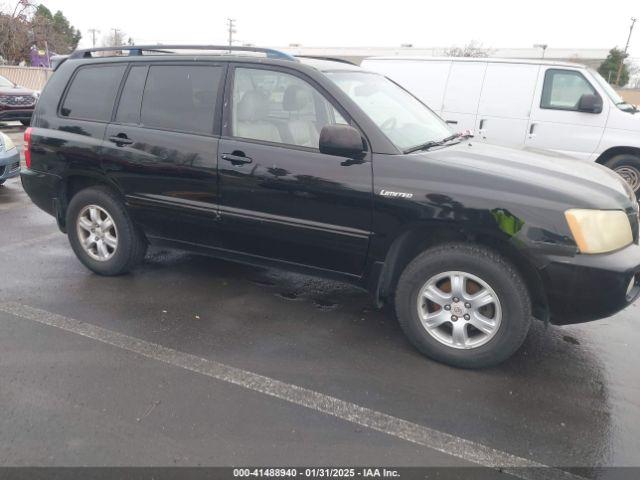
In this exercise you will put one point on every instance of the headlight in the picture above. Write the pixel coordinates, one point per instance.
(6, 141)
(599, 231)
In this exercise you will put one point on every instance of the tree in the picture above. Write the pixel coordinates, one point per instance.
(29, 25)
(609, 67)
(471, 49)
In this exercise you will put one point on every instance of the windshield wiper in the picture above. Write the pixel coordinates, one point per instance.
(437, 143)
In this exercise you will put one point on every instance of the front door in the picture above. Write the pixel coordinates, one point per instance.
(556, 124)
(280, 198)
(161, 149)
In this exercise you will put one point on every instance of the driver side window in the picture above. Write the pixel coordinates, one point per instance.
(277, 107)
(562, 89)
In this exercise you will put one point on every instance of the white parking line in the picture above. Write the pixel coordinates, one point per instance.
(396, 427)
(30, 241)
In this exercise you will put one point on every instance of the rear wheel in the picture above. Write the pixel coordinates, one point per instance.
(101, 233)
(463, 305)
(628, 167)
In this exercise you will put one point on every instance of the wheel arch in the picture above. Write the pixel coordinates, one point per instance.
(73, 183)
(409, 244)
(609, 153)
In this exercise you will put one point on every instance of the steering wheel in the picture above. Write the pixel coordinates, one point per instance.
(389, 124)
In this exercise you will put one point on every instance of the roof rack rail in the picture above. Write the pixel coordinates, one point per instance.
(330, 59)
(135, 50)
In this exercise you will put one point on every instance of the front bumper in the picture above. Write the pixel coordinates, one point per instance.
(589, 287)
(10, 114)
(9, 164)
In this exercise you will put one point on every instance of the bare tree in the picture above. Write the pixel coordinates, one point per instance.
(15, 31)
(471, 49)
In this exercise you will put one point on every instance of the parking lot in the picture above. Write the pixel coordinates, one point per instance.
(196, 361)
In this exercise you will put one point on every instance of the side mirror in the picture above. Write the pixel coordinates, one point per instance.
(590, 103)
(341, 140)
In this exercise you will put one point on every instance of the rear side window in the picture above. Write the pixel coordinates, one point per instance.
(563, 88)
(131, 97)
(93, 92)
(181, 98)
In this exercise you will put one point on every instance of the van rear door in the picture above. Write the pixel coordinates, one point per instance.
(426, 79)
(505, 103)
(556, 123)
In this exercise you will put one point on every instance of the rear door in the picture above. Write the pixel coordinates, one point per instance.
(161, 148)
(426, 79)
(505, 103)
(556, 124)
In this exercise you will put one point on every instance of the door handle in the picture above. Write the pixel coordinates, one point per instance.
(532, 128)
(121, 139)
(236, 158)
(452, 122)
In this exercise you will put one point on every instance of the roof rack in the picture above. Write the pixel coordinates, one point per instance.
(329, 59)
(136, 50)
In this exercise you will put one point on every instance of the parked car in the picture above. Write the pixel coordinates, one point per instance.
(323, 167)
(563, 107)
(9, 159)
(16, 103)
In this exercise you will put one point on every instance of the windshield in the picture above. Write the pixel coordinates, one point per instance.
(5, 83)
(611, 93)
(401, 117)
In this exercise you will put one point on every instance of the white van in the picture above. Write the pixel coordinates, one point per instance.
(564, 107)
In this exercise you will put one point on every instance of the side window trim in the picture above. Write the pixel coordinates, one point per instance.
(69, 84)
(548, 74)
(228, 104)
(116, 105)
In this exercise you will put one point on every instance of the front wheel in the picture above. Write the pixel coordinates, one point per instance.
(463, 305)
(101, 233)
(628, 167)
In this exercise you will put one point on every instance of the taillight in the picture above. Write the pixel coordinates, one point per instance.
(27, 147)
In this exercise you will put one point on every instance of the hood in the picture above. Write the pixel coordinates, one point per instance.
(541, 173)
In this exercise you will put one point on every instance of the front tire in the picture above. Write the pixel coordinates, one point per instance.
(463, 305)
(628, 167)
(101, 233)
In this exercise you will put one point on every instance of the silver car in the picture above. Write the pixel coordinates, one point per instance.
(9, 159)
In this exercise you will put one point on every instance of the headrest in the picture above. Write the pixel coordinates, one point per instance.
(253, 106)
(296, 98)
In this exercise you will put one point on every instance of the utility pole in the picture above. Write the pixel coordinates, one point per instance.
(116, 36)
(93, 32)
(543, 46)
(626, 47)
(231, 22)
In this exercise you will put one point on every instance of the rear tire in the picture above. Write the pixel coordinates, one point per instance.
(114, 250)
(489, 274)
(628, 167)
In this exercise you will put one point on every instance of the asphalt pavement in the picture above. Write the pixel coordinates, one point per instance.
(195, 361)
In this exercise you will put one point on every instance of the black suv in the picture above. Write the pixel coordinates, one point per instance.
(259, 157)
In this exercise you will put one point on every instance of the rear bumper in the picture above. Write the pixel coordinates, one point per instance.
(9, 164)
(589, 287)
(43, 189)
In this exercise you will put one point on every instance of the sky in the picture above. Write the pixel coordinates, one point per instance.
(351, 23)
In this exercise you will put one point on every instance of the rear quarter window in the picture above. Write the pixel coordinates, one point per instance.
(92, 92)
